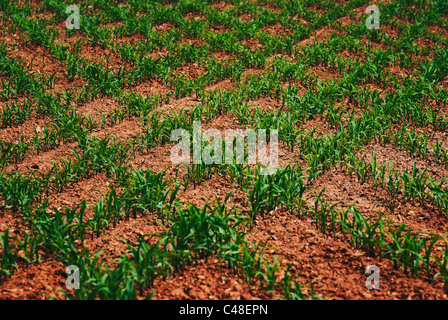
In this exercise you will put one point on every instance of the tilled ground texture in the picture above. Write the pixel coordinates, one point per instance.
(88, 128)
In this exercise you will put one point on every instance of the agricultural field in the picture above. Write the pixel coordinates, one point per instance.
(358, 117)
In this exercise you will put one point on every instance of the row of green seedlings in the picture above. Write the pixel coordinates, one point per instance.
(286, 119)
(382, 73)
(389, 109)
(421, 9)
(234, 168)
(418, 144)
(402, 104)
(20, 190)
(215, 103)
(15, 113)
(19, 81)
(377, 122)
(37, 102)
(131, 105)
(338, 148)
(373, 68)
(403, 41)
(192, 50)
(422, 15)
(285, 189)
(66, 126)
(265, 192)
(402, 107)
(282, 190)
(145, 188)
(144, 191)
(158, 126)
(71, 125)
(375, 62)
(400, 250)
(161, 17)
(104, 81)
(414, 253)
(191, 234)
(179, 9)
(405, 137)
(239, 172)
(156, 14)
(322, 152)
(410, 24)
(101, 80)
(198, 29)
(161, 68)
(168, 131)
(95, 155)
(341, 148)
(413, 185)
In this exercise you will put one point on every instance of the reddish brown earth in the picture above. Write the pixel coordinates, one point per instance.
(191, 70)
(329, 265)
(35, 282)
(207, 280)
(45, 159)
(333, 266)
(151, 87)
